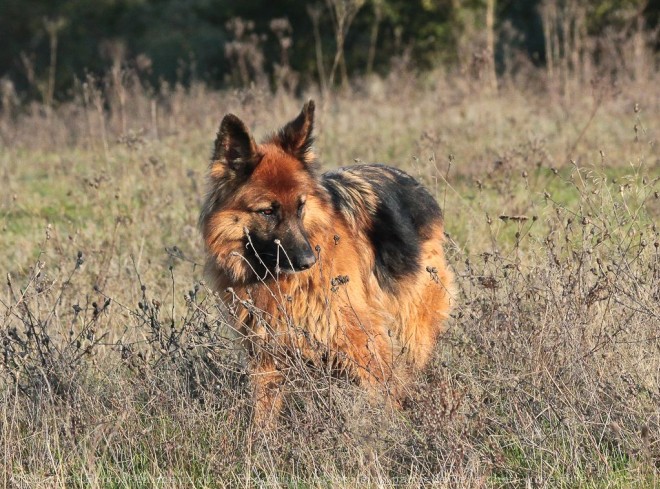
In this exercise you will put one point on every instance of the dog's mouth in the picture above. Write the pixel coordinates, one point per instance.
(289, 270)
(285, 271)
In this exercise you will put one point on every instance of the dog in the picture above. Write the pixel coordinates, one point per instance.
(343, 268)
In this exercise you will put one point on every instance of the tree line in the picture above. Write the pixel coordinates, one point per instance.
(48, 44)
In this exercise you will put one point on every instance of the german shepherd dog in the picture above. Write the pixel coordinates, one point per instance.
(344, 267)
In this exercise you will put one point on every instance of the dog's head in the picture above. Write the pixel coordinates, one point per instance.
(264, 201)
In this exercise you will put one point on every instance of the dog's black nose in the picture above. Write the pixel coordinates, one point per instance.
(306, 261)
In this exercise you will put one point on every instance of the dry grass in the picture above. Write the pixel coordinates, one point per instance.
(119, 368)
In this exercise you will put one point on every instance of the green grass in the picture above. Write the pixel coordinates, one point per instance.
(545, 376)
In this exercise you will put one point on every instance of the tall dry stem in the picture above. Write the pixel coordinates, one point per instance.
(343, 13)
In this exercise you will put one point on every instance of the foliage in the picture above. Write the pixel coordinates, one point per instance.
(178, 41)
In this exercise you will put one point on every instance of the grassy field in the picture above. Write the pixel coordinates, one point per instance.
(119, 368)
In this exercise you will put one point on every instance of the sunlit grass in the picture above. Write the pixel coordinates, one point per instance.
(120, 369)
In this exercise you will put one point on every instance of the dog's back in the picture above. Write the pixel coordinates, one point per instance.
(403, 225)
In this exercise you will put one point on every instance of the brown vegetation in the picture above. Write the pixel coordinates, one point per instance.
(119, 367)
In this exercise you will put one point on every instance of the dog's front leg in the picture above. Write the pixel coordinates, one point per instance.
(267, 392)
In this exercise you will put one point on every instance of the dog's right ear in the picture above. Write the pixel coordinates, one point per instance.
(235, 148)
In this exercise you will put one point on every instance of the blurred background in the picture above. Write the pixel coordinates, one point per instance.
(49, 45)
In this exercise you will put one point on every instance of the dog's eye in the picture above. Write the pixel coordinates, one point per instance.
(266, 212)
(301, 207)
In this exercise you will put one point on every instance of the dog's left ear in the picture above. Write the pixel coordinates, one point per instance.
(296, 137)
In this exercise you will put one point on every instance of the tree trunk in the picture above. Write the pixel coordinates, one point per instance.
(490, 45)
